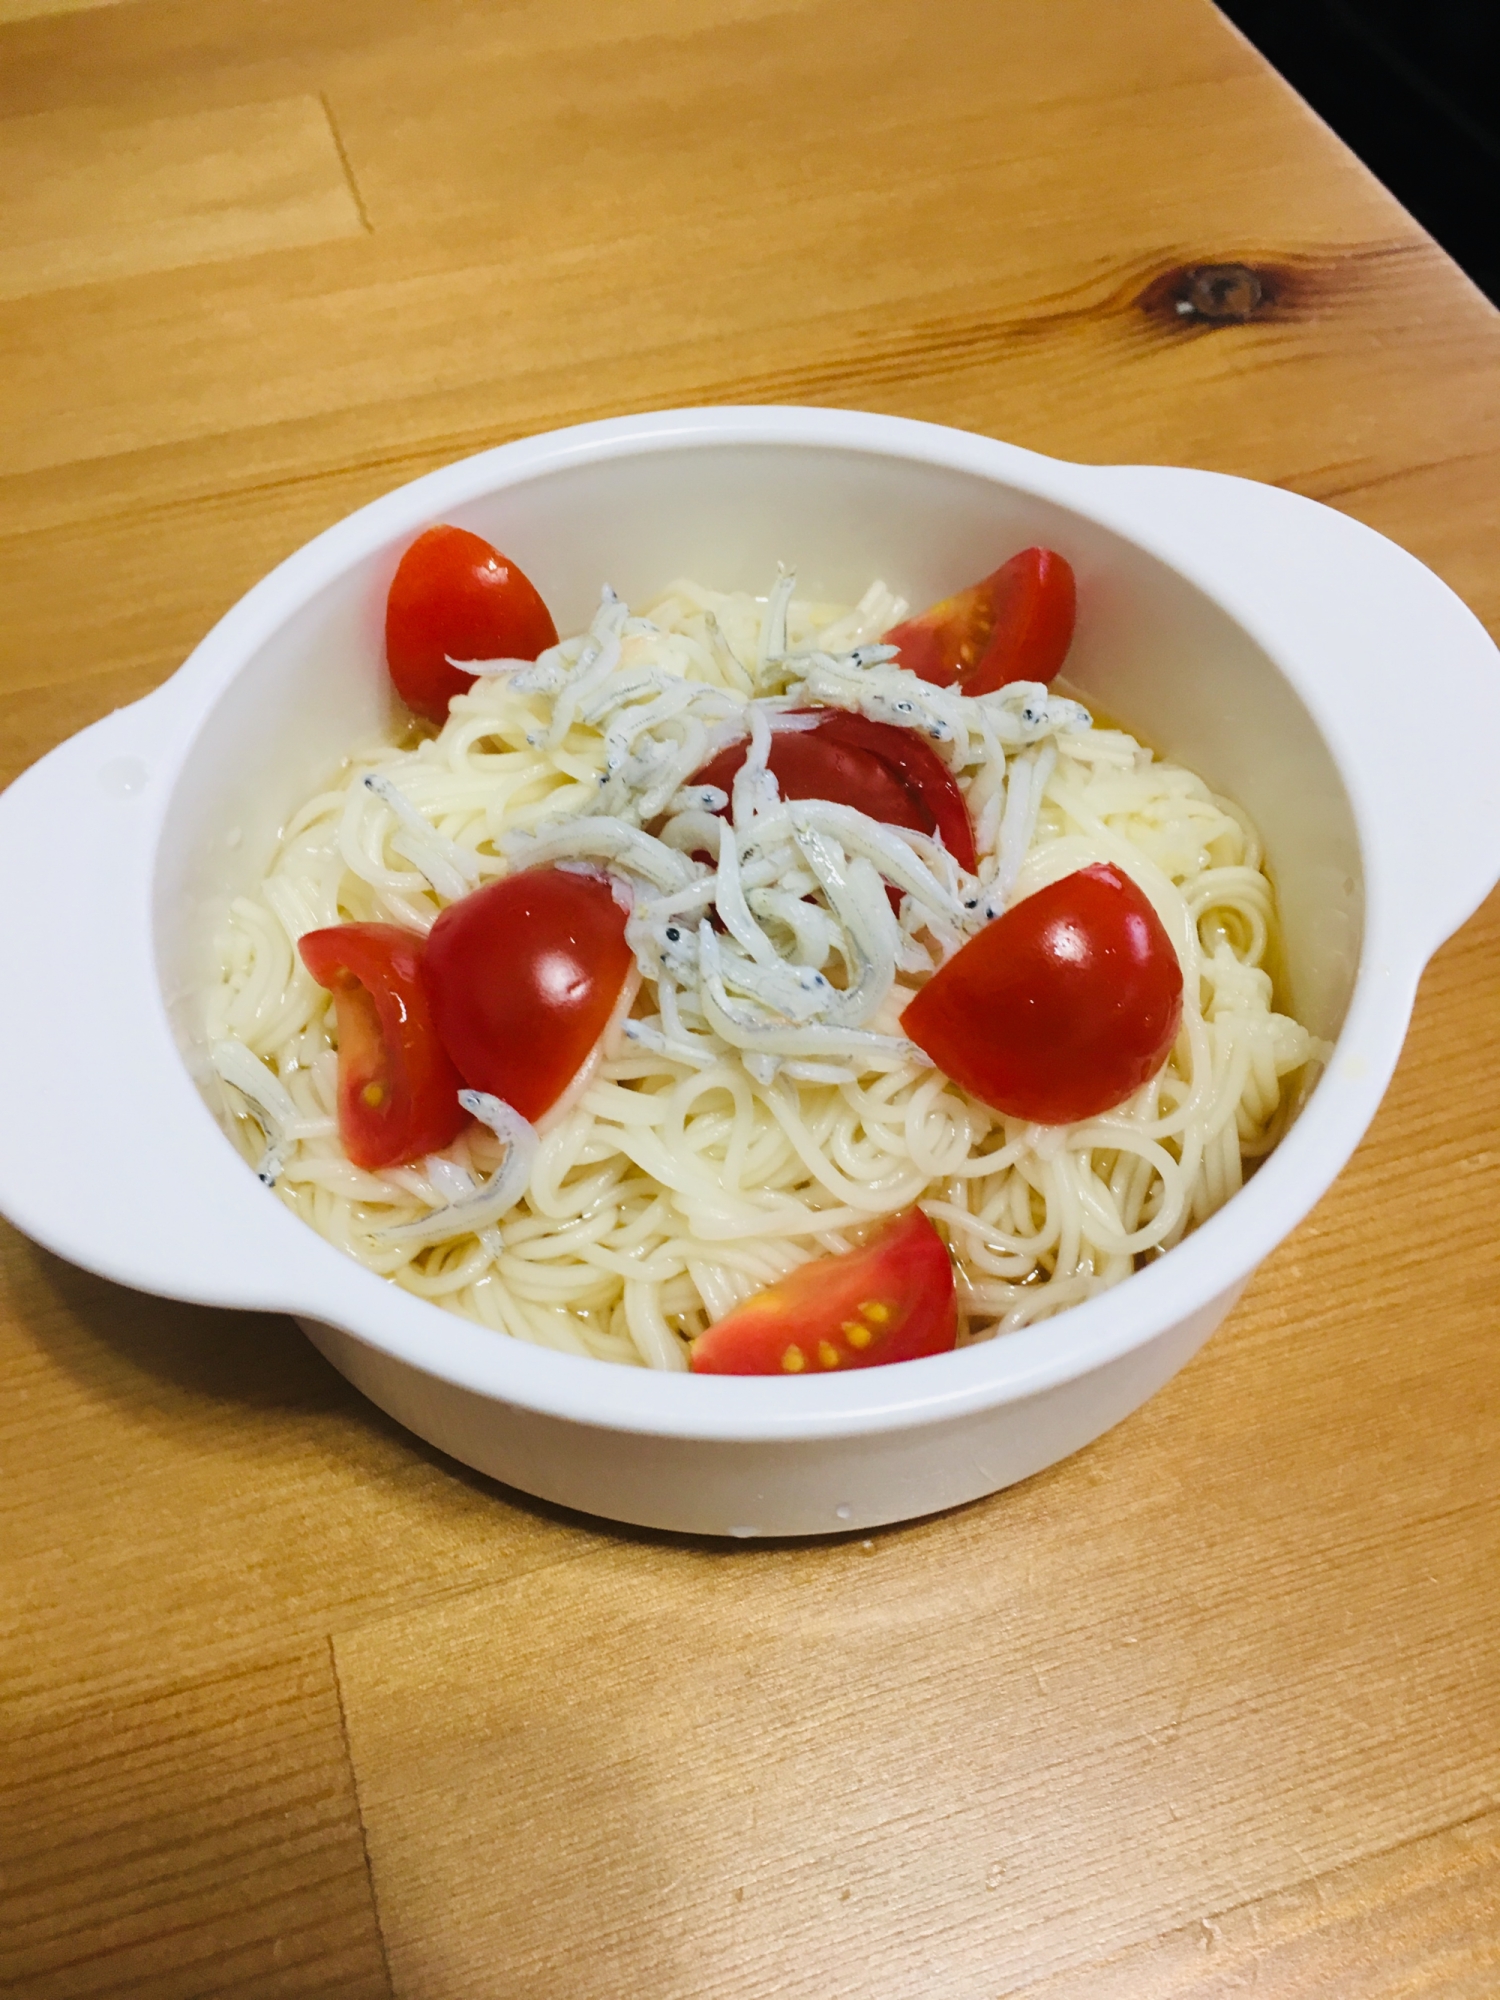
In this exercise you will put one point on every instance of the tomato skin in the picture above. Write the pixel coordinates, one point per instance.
(891, 773)
(1014, 625)
(890, 1300)
(454, 595)
(1061, 1007)
(398, 1092)
(522, 976)
(921, 770)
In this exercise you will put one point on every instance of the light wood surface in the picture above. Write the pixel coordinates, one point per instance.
(292, 1706)
(94, 196)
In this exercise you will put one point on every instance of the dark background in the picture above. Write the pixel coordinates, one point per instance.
(1412, 87)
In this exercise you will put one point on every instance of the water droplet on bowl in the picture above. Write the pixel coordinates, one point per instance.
(123, 777)
(844, 1513)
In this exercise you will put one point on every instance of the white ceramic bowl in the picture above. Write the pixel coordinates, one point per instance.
(1291, 656)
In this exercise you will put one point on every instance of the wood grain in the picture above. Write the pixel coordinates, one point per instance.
(1419, 1922)
(234, 1495)
(732, 1817)
(202, 1838)
(95, 196)
(30, 10)
(1214, 1705)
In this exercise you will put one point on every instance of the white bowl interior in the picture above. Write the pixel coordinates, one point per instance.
(1152, 650)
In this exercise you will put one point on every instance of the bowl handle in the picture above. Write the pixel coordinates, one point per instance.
(97, 1097)
(1390, 660)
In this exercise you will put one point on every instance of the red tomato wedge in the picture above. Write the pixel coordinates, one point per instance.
(891, 1300)
(398, 1091)
(893, 774)
(523, 976)
(1061, 1007)
(1017, 625)
(455, 597)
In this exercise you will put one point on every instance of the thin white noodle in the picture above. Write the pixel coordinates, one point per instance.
(718, 1143)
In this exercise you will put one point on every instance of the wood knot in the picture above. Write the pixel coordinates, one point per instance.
(1223, 293)
(1206, 295)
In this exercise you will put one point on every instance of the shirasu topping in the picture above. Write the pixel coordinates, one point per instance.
(472, 1209)
(269, 1102)
(767, 931)
(451, 869)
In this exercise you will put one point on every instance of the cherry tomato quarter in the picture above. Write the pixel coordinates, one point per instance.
(1061, 1007)
(1015, 625)
(398, 1091)
(921, 770)
(523, 976)
(892, 774)
(455, 597)
(890, 1300)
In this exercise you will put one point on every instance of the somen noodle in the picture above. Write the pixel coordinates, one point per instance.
(758, 1105)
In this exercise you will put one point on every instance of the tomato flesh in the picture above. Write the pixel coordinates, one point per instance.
(892, 774)
(1061, 1007)
(398, 1091)
(523, 976)
(890, 1300)
(454, 596)
(1015, 625)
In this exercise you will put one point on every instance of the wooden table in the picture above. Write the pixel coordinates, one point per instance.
(296, 1707)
